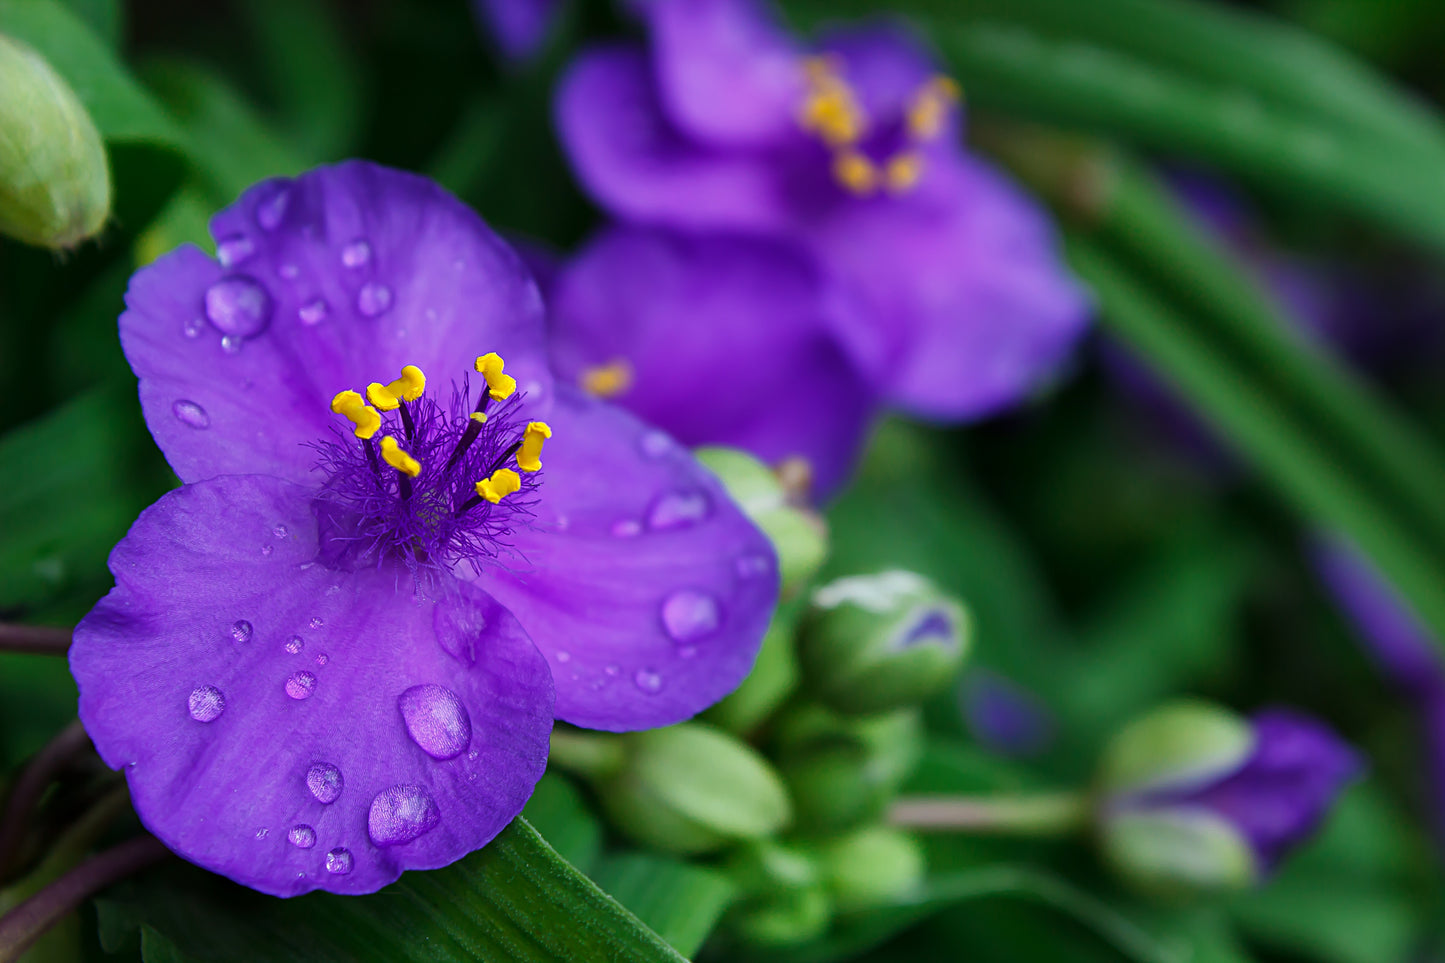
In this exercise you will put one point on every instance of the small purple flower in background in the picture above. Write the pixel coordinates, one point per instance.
(333, 654)
(725, 124)
(519, 27)
(1003, 716)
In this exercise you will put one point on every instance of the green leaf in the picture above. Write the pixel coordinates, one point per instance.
(681, 902)
(557, 812)
(515, 899)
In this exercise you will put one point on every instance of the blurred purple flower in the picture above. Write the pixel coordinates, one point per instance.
(850, 151)
(1003, 716)
(518, 26)
(322, 664)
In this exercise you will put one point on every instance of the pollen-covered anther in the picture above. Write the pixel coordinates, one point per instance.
(529, 455)
(393, 455)
(351, 406)
(607, 380)
(902, 172)
(409, 387)
(503, 482)
(929, 108)
(480, 417)
(856, 173)
(831, 109)
(499, 385)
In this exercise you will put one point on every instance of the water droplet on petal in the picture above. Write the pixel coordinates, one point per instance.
(401, 814)
(271, 210)
(262, 833)
(680, 509)
(206, 703)
(293, 645)
(301, 684)
(626, 527)
(753, 566)
(656, 443)
(238, 306)
(234, 249)
(648, 681)
(564, 656)
(302, 836)
(313, 312)
(241, 630)
(231, 344)
(191, 414)
(280, 531)
(316, 622)
(322, 658)
(373, 299)
(356, 254)
(436, 720)
(338, 861)
(194, 327)
(324, 781)
(267, 549)
(689, 615)
(289, 271)
(612, 670)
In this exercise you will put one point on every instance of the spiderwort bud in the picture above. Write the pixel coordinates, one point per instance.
(876, 642)
(691, 789)
(1196, 799)
(800, 537)
(871, 866)
(54, 182)
(844, 771)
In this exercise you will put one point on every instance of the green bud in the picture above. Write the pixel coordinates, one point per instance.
(763, 867)
(876, 642)
(54, 181)
(871, 866)
(1176, 853)
(773, 678)
(785, 919)
(1178, 744)
(692, 789)
(799, 536)
(844, 771)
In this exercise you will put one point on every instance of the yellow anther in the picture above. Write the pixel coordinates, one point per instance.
(480, 417)
(408, 387)
(856, 173)
(607, 380)
(381, 396)
(350, 405)
(501, 386)
(529, 455)
(902, 172)
(831, 109)
(929, 109)
(503, 482)
(392, 454)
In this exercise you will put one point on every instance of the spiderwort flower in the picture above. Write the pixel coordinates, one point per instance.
(519, 27)
(849, 150)
(332, 655)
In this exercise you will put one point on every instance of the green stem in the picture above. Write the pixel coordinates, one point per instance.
(1042, 814)
(31, 784)
(34, 639)
(593, 756)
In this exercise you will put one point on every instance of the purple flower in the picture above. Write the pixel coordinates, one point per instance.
(1003, 716)
(332, 655)
(518, 26)
(848, 151)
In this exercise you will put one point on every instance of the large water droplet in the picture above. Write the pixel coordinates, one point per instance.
(324, 781)
(656, 443)
(648, 681)
(401, 814)
(191, 414)
(313, 312)
(356, 254)
(293, 645)
(690, 615)
(206, 703)
(302, 836)
(241, 630)
(301, 685)
(194, 327)
(239, 306)
(436, 720)
(338, 861)
(678, 509)
(373, 299)
(271, 210)
(233, 250)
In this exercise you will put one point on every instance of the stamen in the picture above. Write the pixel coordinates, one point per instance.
(929, 109)
(350, 405)
(902, 172)
(529, 457)
(856, 173)
(475, 422)
(393, 455)
(607, 380)
(500, 386)
(831, 109)
(503, 482)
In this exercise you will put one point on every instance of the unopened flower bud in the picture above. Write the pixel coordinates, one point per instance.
(765, 866)
(871, 643)
(54, 181)
(773, 678)
(800, 537)
(691, 789)
(871, 866)
(785, 919)
(844, 771)
(1194, 798)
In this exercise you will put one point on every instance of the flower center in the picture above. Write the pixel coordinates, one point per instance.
(867, 155)
(439, 486)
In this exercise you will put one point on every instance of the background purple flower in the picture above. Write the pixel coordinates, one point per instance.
(317, 671)
(518, 26)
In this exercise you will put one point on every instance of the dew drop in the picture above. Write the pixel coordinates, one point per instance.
(280, 531)
(436, 720)
(231, 344)
(655, 443)
(262, 833)
(194, 327)
(373, 299)
(753, 566)
(689, 615)
(234, 249)
(401, 814)
(241, 630)
(316, 622)
(648, 681)
(324, 781)
(206, 703)
(301, 684)
(191, 414)
(355, 254)
(612, 670)
(267, 549)
(680, 509)
(564, 657)
(293, 645)
(626, 527)
(322, 658)
(313, 312)
(238, 306)
(338, 861)
(270, 211)
(302, 836)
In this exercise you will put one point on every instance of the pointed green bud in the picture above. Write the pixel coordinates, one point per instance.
(843, 771)
(54, 181)
(692, 788)
(871, 866)
(1173, 853)
(773, 678)
(786, 918)
(1179, 744)
(871, 643)
(799, 536)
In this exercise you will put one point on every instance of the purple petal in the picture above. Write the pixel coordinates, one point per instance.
(295, 727)
(638, 165)
(727, 72)
(730, 340)
(966, 281)
(333, 280)
(518, 26)
(885, 65)
(643, 584)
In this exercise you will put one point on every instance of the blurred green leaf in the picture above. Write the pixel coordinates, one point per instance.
(681, 902)
(104, 17)
(557, 812)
